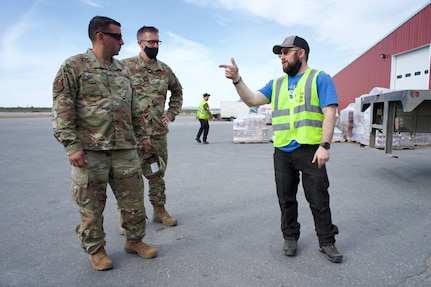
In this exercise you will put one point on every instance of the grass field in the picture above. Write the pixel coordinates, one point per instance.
(25, 110)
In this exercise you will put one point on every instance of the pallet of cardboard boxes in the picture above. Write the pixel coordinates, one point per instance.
(250, 128)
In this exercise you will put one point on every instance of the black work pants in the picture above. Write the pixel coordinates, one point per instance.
(205, 127)
(288, 166)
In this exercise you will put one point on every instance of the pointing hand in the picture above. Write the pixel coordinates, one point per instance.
(231, 71)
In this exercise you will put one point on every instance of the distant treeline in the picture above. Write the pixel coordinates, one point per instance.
(26, 110)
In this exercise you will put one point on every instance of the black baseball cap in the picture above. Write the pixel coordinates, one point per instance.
(206, 95)
(291, 41)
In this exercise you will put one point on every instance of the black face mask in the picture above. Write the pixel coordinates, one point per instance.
(293, 70)
(151, 52)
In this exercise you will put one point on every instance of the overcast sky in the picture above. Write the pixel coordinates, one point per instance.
(198, 35)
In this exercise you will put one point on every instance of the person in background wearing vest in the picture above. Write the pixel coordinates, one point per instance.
(203, 114)
(304, 103)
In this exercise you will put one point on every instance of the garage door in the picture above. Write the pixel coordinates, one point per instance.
(411, 70)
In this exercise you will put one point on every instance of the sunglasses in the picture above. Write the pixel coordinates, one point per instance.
(116, 36)
(286, 51)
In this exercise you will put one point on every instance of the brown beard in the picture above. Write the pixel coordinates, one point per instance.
(292, 70)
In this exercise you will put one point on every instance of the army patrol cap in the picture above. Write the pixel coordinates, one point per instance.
(290, 42)
(152, 164)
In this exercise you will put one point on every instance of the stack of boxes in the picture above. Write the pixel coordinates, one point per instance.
(361, 123)
(250, 129)
(399, 140)
(355, 125)
(266, 110)
(423, 139)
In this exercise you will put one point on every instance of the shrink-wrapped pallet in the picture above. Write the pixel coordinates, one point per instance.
(250, 129)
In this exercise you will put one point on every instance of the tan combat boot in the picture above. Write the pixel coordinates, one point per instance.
(100, 260)
(142, 249)
(162, 216)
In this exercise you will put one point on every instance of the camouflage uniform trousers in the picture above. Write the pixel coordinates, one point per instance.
(157, 184)
(121, 169)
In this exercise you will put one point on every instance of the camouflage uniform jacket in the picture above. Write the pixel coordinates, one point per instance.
(152, 82)
(95, 107)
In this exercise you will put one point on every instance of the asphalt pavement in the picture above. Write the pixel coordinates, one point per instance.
(223, 195)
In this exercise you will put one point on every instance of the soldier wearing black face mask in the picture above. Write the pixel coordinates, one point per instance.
(151, 52)
(152, 79)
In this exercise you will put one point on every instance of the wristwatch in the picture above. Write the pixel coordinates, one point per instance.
(325, 145)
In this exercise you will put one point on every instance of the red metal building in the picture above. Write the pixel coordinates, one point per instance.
(401, 60)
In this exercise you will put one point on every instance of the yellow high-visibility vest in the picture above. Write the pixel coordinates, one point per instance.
(202, 112)
(299, 118)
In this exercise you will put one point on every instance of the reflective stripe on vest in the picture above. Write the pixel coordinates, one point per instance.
(299, 118)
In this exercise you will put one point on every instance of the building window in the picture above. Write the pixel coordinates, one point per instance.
(426, 72)
(417, 73)
(408, 75)
(399, 76)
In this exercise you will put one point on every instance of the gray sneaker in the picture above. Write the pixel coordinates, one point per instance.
(331, 253)
(290, 246)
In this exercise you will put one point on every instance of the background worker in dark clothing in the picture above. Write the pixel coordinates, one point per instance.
(203, 114)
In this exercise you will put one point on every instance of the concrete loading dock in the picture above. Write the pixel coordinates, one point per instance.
(229, 229)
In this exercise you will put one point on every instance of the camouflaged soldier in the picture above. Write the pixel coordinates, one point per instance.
(152, 79)
(97, 118)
